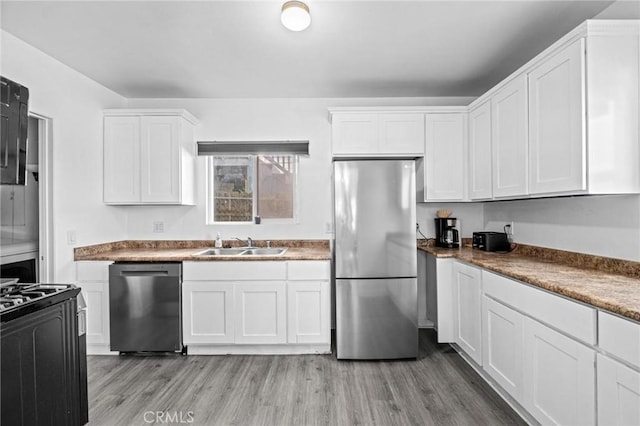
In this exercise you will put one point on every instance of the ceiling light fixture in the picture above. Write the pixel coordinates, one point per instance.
(295, 15)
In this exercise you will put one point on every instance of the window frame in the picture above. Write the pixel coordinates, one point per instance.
(210, 193)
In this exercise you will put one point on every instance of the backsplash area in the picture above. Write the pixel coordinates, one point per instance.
(601, 225)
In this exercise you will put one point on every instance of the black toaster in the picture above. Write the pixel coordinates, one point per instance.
(491, 241)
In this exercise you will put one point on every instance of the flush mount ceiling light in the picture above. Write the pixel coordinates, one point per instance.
(295, 15)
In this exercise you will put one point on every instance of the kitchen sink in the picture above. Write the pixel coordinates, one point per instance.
(244, 251)
(270, 251)
(220, 252)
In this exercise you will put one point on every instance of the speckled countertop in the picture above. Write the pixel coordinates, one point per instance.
(609, 284)
(185, 250)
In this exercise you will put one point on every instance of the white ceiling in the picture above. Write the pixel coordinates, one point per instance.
(239, 49)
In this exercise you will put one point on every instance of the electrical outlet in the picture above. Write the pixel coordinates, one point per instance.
(509, 229)
(328, 228)
(158, 227)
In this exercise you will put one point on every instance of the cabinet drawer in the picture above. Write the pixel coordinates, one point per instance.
(575, 319)
(234, 271)
(92, 271)
(619, 337)
(309, 270)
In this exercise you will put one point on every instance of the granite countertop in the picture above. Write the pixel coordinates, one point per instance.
(185, 250)
(609, 284)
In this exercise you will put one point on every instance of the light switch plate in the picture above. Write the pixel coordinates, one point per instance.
(71, 237)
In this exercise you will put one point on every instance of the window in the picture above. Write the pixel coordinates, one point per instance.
(242, 188)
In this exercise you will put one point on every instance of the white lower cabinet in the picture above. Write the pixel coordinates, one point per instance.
(256, 307)
(467, 296)
(559, 377)
(503, 346)
(260, 312)
(96, 294)
(308, 311)
(618, 393)
(93, 280)
(207, 312)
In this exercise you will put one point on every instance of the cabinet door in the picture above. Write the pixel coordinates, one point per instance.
(260, 312)
(160, 166)
(618, 393)
(467, 296)
(354, 133)
(121, 159)
(308, 312)
(559, 377)
(509, 144)
(444, 157)
(96, 294)
(503, 345)
(480, 152)
(207, 312)
(401, 133)
(557, 145)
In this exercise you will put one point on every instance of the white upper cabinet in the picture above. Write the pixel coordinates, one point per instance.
(444, 165)
(509, 142)
(556, 114)
(149, 157)
(613, 107)
(121, 159)
(567, 122)
(160, 154)
(354, 133)
(377, 133)
(401, 133)
(584, 112)
(480, 187)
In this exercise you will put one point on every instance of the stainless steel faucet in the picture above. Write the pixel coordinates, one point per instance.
(249, 242)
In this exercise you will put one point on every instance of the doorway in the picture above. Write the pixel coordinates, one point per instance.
(43, 126)
(25, 212)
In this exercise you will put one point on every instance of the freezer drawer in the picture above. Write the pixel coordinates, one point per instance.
(377, 318)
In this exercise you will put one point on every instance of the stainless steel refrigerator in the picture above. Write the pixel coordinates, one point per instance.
(375, 258)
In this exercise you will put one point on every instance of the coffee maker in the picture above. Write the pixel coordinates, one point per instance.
(446, 233)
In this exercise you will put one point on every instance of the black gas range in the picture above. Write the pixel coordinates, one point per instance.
(43, 352)
(19, 299)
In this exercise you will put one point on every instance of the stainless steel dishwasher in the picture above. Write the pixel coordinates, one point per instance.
(145, 307)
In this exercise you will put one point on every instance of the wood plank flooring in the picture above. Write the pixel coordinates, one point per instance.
(437, 389)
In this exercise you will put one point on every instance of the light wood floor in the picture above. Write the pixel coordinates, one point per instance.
(437, 389)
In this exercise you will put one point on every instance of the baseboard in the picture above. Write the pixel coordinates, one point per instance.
(258, 349)
(94, 349)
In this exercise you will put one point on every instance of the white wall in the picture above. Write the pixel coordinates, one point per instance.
(621, 9)
(260, 119)
(75, 104)
(600, 225)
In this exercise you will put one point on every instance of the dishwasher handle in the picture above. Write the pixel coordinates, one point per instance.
(144, 273)
(146, 270)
